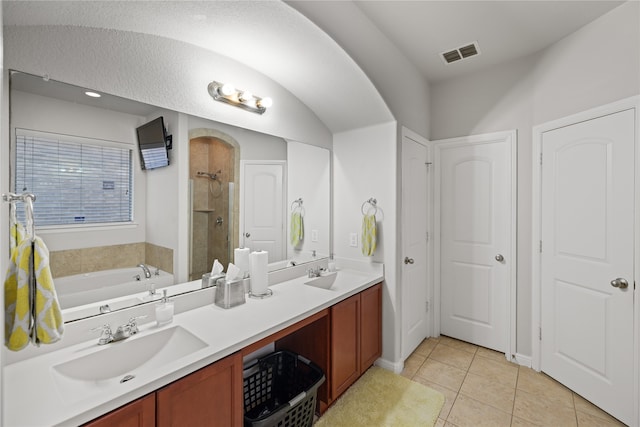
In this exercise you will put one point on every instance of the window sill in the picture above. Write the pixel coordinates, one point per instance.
(73, 228)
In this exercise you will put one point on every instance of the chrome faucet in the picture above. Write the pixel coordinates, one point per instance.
(313, 272)
(106, 337)
(123, 332)
(147, 273)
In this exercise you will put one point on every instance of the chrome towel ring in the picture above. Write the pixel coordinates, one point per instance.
(297, 203)
(373, 203)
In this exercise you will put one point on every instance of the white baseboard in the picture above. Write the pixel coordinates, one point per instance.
(523, 360)
(395, 367)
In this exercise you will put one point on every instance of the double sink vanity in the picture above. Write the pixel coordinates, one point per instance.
(190, 370)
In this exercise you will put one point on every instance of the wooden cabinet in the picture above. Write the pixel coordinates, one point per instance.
(370, 326)
(356, 338)
(139, 413)
(345, 351)
(211, 396)
(344, 344)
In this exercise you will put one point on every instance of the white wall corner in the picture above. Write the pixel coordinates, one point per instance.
(523, 360)
(395, 367)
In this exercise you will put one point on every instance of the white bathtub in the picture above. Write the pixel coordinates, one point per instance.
(94, 288)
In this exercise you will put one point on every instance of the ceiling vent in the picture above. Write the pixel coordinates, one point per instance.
(463, 52)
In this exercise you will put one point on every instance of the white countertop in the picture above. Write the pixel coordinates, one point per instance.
(33, 397)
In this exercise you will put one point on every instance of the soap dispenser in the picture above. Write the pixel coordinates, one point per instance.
(164, 310)
(332, 263)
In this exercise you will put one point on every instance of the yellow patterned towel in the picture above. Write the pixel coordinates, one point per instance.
(17, 235)
(23, 290)
(297, 228)
(369, 230)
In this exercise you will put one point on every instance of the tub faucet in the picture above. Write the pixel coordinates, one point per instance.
(147, 273)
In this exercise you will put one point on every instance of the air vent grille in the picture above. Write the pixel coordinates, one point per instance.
(451, 56)
(464, 52)
(468, 51)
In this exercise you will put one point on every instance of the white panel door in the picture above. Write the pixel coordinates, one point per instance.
(476, 205)
(414, 245)
(587, 243)
(263, 209)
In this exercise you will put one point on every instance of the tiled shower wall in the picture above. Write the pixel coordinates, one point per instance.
(210, 239)
(78, 261)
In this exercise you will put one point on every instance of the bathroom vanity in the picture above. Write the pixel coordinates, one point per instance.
(191, 370)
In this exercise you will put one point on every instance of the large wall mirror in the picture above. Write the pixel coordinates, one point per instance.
(245, 189)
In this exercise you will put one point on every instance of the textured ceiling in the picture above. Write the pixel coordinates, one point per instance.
(268, 36)
(277, 40)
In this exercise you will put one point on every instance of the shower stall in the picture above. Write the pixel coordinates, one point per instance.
(211, 194)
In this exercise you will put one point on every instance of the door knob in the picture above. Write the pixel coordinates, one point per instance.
(247, 234)
(620, 283)
(408, 260)
(499, 258)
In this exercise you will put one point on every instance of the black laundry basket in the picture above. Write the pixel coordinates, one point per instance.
(280, 391)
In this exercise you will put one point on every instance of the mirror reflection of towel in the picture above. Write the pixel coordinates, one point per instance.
(369, 230)
(297, 228)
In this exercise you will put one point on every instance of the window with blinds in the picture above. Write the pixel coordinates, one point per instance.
(75, 180)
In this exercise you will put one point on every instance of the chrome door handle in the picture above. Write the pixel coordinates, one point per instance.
(499, 258)
(408, 260)
(620, 283)
(247, 234)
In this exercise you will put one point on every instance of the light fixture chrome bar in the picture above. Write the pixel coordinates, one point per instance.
(238, 98)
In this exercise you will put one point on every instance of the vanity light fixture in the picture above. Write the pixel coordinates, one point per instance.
(244, 99)
(92, 94)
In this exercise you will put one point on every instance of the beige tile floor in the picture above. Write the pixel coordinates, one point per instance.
(482, 388)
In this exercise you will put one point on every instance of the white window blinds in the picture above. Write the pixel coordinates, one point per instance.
(75, 180)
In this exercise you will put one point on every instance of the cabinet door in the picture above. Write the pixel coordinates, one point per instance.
(139, 413)
(370, 326)
(345, 357)
(211, 396)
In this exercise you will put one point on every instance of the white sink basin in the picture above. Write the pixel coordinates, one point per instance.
(325, 281)
(108, 365)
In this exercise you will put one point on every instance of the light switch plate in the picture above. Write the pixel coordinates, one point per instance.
(353, 240)
(314, 235)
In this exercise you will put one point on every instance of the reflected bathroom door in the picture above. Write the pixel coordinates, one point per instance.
(262, 216)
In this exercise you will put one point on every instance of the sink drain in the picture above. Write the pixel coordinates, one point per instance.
(127, 378)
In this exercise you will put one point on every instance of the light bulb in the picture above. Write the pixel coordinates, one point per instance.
(226, 89)
(92, 94)
(265, 102)
(245, 96)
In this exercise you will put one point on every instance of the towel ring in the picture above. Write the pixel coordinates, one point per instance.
(373, 203)
(11, 197)
(296, 203)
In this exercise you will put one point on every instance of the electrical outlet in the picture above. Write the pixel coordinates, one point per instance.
(314, 235)
(353, 240)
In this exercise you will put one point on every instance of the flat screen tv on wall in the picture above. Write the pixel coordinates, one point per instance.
(152, 144)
